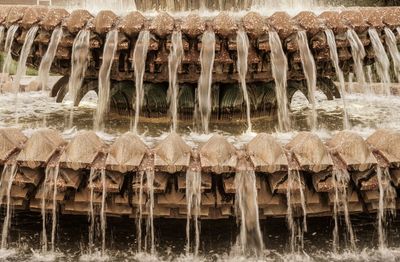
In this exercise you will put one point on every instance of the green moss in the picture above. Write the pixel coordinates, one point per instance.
(14, 64)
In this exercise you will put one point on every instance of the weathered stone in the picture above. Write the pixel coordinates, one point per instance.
(193, 25)
(82, 151)
(391, 17)
(105, 21)
(355, 20)
(126, 153)
(172, 154)
(310, 152)
(33, 16)
(387, 143)
(281, 22)
(309, 22)
(218, 156)
(132, 24)
(16, 14)
(266, 154)
(162, 25)
(77, 21)
(40, 147)
(254, 24)
(333, 21)
(352, 150)
(11, 140)
(4, 10)
(53, 18)
(373, 17)
(224, 24)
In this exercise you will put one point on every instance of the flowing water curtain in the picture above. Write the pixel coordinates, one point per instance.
(193, 201)
(391, 43)
(7, 50)
(358, 53)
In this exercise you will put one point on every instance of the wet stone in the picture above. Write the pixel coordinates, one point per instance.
(132, 24)
(224, 24)
(162, 25)
(104, 22)
(53, 18)
(77, 21)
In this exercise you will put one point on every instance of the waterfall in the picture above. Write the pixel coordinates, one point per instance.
(150, 210)
(296, 229)
(383, 64)
(93, 173)
(110, 47)
(339, 73)
(140, 211)
(341, 180)
(8, 175)
(242, 42)
(139, 65)
(391, 43)
(207, 55)
(45, 191)
(103, 217)
(387, 195)
(7, 50)
(1, 35)
(174, 61)
(310, 72)
(79, 61)
(358, 53)
(47, 61)
(279, 66)
(21, 69)
(246, 205)
(193, 201)
(54, 208)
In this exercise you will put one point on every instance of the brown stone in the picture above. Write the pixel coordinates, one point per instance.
(105, 21)
(132, 24)
(77, 21)
(53, 18)
(162, 25)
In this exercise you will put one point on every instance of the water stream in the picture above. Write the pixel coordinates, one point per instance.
(54, 208)
(339, 73)
(139, 192)
(103, 104)
(1, 36)
(7, 50)
(391, 43)
(310, 72)
(47, 61)
(150, 211)
(207, 56)
(79, 63)
(279, 66)
(242, 42)
(139, 65)
(193, 200)
(174, 61)
(382, 64)
(103, 217)
(92, 175)
(358, 53)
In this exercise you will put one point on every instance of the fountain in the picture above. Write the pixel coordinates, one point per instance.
(7, 48)
(358, 52)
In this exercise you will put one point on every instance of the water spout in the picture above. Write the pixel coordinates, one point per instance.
(7, 50)
(103, 103)
(45, 65)
(358, 53)
(54, 208)
(391, 43)
(242, 42)
(279, 71)
(150, 210)
(193, 201)
(139, 65)
(207, 55)
(310, 72)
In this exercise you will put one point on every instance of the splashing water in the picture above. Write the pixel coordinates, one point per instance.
(387, 196)
(339, 73)
(207, 56)
(174, 61)
(193, 201)
(297, 230)
(139, 65)
(383, 64)
(310, 72)
(341, 180)
(110, 47)
(7, 50)
(358, 53)
(21, 69)
(79, 63)
(279, 66)
(242, 42)
(391, 43)
(47, 61)
(247, 209)
(8, 176)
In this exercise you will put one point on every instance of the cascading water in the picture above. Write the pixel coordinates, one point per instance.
(247, 210)
(21, 69)
(358, 53)
(297, 230)
(207, 56)
(383, 64)
(7, 179)
(193, 201)
(150, 210)
(310, 72)
(1, 35)
(139, 181)
(110, 47)
(45, 191)
(139, 65)
(79, 63)
(242, 42)
(54, 208)
(339, 73)
(341, 180)
(391, 43)
(103, 217)
(45, 65)
(7, 50)
(174, 61)
(387, 195)
(93, 173)
(279, 66)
